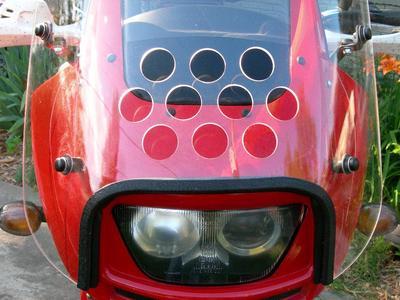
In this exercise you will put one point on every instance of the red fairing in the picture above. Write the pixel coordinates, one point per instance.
(82, 106)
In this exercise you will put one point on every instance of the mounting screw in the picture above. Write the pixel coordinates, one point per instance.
(60, 164)
(172, 111)
(347, 51)
(44, 31)
(301, 60)
(67, 164)
(352, 164)
(245, 112)
(111, 57)
(347, 165)
(364, 33)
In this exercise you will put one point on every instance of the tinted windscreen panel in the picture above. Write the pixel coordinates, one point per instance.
(206, 44)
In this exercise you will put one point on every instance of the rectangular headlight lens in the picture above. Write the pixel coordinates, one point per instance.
(208, 247)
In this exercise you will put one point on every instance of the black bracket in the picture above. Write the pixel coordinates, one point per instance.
(347, 46)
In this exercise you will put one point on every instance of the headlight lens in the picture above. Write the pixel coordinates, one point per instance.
(165, 234)
(250, 233)
(208, 247)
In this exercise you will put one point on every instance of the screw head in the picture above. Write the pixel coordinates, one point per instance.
(347, 51)
(172, 111)
(366, 33)
(354, 164)
(301, 60)
(39, 30)
(111, 57)
(245, 112)
(60, 164)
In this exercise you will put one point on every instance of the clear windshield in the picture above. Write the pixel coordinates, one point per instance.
(205, 90)
(46, 61)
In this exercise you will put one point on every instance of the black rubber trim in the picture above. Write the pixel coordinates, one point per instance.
(134, 296)
(285, 295)
(130, 295)
(324, 215)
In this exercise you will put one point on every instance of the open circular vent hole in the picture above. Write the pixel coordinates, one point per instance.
(235, 102)
(259, 140)
(210, 140)
(207, 65)
(183, 102)
(136, 105)
(157, 65)
(160, 142)
(282, 103)
(257, 64)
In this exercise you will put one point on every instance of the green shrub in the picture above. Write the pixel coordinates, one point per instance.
(13, 74)
(388, 83)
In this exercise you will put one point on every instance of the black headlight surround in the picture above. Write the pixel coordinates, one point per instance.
(322, 206)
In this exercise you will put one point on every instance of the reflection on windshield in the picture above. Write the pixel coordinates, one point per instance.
(382, 12)
(275, 8)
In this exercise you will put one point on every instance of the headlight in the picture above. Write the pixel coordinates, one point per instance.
(165, 234)
(208, 247)
(250, 233)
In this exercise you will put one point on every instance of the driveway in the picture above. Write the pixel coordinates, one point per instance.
(24, 272)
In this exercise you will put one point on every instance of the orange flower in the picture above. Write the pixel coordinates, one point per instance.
(369, 67)
(389, 64)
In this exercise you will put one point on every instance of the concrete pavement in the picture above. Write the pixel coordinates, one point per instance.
(24, 272)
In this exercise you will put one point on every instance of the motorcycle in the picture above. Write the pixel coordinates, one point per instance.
(211, 149)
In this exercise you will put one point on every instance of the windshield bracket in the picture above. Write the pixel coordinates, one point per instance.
(347, 46)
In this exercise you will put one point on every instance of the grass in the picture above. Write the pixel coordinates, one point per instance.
(366, 273)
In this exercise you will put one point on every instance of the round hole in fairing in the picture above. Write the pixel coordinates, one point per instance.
(282, 103)
(160, 142)
(257, 64)
(207, 65)
(136, 105)
(183, 102)
(210, 140)
(260, 140)
(157, 64)
(235, 102)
